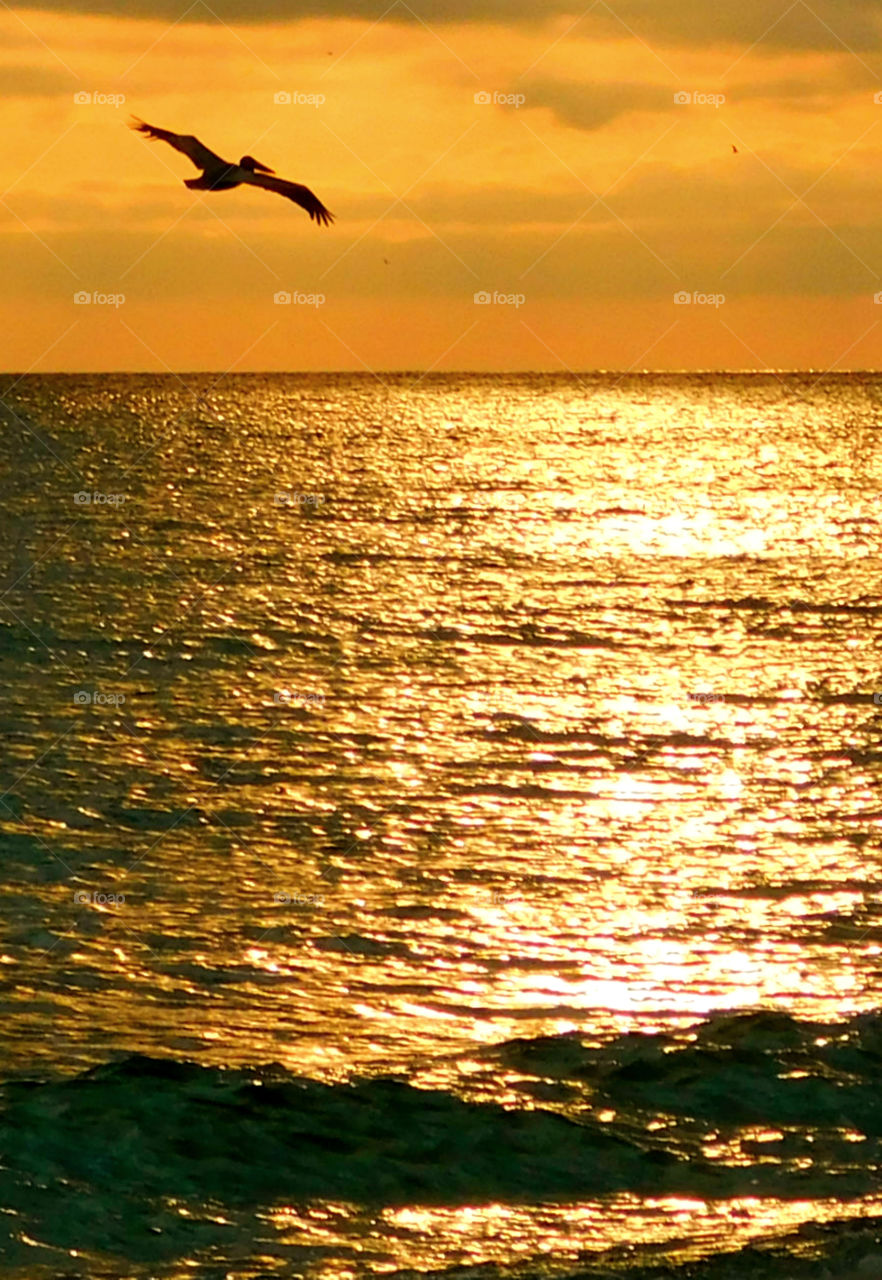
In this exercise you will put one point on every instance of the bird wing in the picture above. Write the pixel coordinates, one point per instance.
(185, 143)
(293, 191)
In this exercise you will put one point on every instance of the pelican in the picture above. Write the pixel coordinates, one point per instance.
(222, 175)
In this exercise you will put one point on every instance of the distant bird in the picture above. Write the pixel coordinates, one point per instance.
(222, 175)
(734, 148)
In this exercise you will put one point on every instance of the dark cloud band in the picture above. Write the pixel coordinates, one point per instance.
(820, 24)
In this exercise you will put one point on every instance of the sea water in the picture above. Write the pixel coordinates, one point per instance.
(440, 822)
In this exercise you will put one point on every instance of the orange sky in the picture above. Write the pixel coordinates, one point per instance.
(582, 198)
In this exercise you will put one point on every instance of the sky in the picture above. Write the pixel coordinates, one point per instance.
(654, 184)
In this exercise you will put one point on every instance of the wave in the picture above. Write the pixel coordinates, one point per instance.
(745, 1105)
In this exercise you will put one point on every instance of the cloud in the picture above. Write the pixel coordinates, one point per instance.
(823, 24)
(810, 94)
(728, 228)
(232, 11)
(591, 106)
(35, 82)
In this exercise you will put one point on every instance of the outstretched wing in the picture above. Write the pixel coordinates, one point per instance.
(185, 143)
(294, 191)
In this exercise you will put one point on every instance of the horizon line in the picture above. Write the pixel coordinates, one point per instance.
(431, 373)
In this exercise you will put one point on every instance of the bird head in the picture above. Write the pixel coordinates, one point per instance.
(248, 162)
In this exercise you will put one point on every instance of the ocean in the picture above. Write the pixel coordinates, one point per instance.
(440, 826)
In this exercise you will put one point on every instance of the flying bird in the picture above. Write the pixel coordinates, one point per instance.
(222, 175)
(734, 148)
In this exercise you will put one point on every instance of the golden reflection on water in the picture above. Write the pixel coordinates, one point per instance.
(576, 733)
(425, 1238)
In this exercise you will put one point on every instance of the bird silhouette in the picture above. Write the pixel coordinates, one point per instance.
(223, 175)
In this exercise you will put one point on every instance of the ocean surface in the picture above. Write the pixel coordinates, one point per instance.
(440, 826)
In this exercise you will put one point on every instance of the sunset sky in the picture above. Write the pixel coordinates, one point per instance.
(597, 183)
